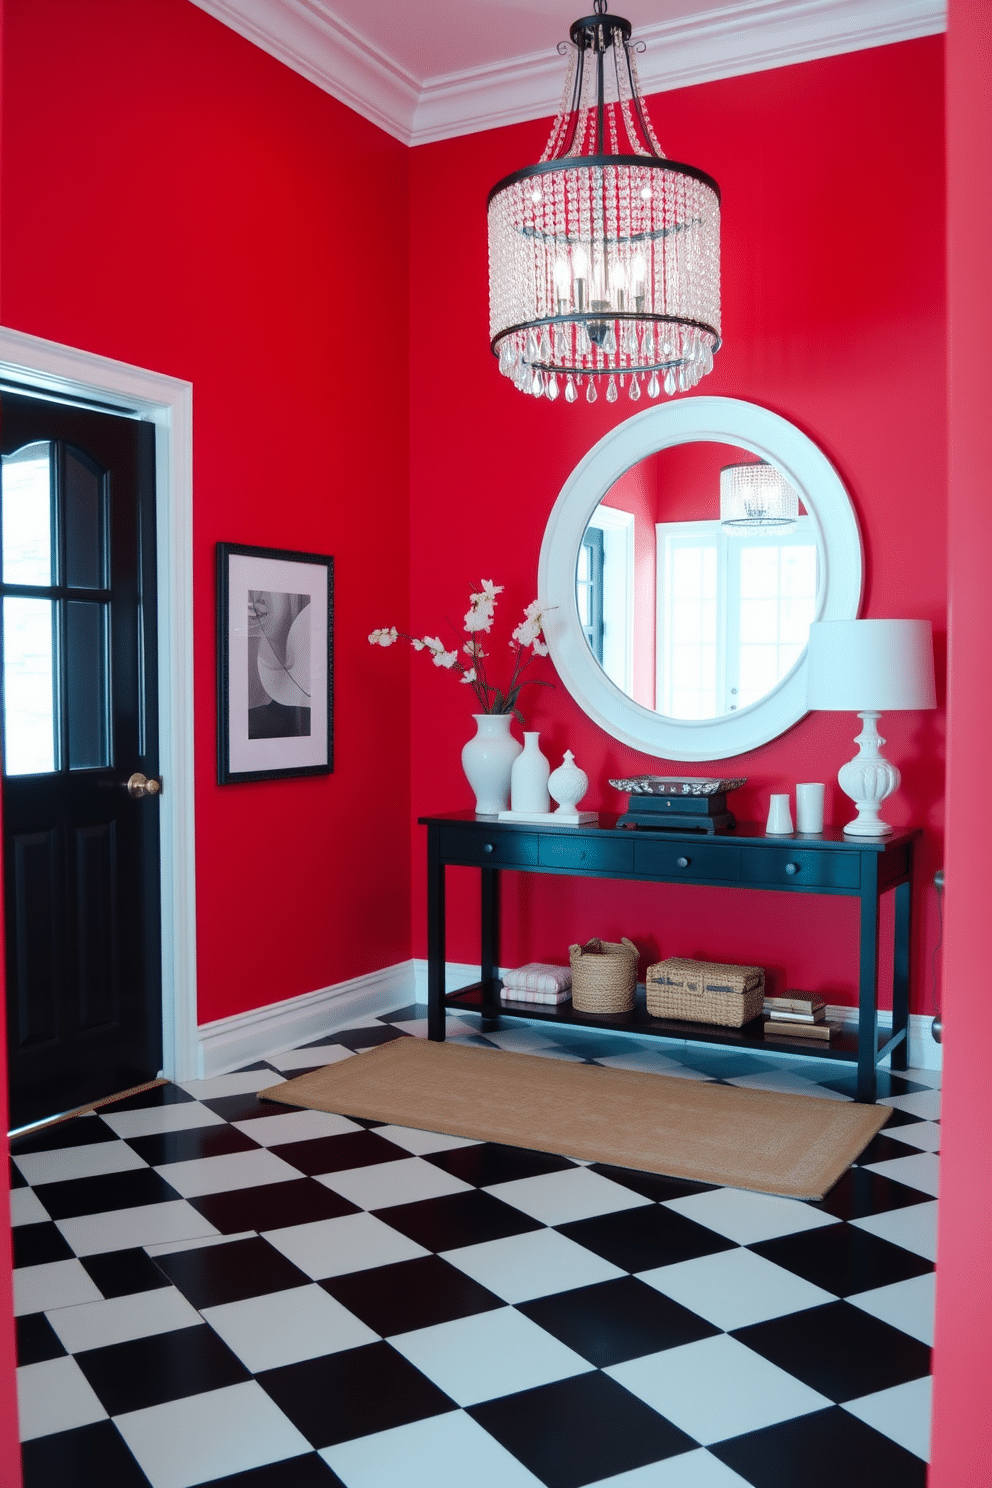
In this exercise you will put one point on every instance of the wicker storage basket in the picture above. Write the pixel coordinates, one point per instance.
(705, 991)
(604, 976)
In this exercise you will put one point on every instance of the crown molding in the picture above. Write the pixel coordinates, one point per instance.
(749, 36)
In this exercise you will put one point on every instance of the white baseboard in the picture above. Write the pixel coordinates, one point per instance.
(229, 1043)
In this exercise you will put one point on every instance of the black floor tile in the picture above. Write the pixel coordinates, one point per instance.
(17, 1179)
(838, 1350)
(246, 1107)
(651, 1185)
(639, 1239)
(159, 1095)
(616, 1320)
(35, 1244)
(78, 1196)
(81, 1131)
(889, 1082)
(37, 1340)
(167, 1366)
(211, 1275)
(271, 1206)
(720, 1066)
(358, 1149)
(406, 1014)
(121, 1273)
(186, 1146)
(859, 1193)
(88, 1457)
(410, 1294)
(883, 1147)
(457, 1219)
(368, 1038)
(492, 1162)
(821, 1450)
(310, 1471)
(597, 1430)
(900, 1118)
(354, 1393)
(843, 1259)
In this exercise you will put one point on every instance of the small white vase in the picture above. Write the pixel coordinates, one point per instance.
(529, 778)
(568, 785)
(487, 760)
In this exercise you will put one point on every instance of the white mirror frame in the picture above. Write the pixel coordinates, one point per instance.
(723, 421)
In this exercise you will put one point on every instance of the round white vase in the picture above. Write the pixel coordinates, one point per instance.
(529, 778)
(487, 760)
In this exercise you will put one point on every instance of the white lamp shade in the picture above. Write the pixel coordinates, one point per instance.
(870, 665)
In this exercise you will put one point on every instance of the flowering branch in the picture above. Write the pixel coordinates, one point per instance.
(526, 642)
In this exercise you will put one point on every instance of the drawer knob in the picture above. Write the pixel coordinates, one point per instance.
(487, 847)
(792, 869)
(682, 862)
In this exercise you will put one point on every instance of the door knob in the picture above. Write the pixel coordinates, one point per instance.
(139, 785)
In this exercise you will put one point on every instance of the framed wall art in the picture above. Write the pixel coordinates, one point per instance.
(275, 663)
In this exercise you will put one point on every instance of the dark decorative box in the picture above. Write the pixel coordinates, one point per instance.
(678, 803)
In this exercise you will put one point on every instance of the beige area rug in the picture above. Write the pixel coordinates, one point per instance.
(793, 1145)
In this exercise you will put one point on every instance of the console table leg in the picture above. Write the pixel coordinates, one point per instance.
(490, 943)
(900, 973)
(435, 940)
(868, 983)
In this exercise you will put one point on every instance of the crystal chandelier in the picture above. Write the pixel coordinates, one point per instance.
(604, 259)
(756, 495)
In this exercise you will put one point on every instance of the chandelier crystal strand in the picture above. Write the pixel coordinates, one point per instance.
(604, 258)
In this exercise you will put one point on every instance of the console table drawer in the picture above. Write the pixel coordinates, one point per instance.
(592, 854)
(484, 850)
(688, 860)
(795, 869)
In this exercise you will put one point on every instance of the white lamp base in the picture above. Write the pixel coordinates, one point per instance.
(868, 779)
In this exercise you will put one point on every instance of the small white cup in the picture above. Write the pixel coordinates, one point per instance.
(809, 806)
(779, 822)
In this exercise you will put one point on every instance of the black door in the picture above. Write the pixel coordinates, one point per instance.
(81, 859)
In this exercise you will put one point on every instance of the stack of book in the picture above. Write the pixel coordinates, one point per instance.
(797, 1015)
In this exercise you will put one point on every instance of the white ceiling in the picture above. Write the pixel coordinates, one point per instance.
(448, 67)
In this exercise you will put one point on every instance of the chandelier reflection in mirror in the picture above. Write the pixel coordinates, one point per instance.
(604, 259)
(755, 494)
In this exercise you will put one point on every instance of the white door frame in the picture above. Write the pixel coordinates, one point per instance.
(167, 403)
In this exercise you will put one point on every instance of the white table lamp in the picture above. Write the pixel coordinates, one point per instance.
(869, 667)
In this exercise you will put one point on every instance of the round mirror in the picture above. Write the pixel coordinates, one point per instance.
(682, 565)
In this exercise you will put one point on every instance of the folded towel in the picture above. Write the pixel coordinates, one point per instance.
(514, 994)
(538, 976)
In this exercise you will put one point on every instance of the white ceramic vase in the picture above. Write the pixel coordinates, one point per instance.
(487, 760)
(568, 785)
(529, 778)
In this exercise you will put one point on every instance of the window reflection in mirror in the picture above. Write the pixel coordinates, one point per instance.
(689, 618)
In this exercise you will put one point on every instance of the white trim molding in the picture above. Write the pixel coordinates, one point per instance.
(742, 37)
(45, 366)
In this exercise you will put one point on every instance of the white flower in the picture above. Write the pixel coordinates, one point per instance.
(540, 649)
(478, 618)
(490, 590)
(469, 676)
(526, 633)
(384, 637)
(445, 658)
(417, 645)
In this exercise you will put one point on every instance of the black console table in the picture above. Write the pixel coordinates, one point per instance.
(862, 868)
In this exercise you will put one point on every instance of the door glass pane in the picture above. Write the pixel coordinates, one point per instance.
(85, 524)
(87, 684)
(29, 686)
(27, 515)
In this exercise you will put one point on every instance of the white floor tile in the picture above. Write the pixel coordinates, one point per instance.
(922, 1135)
(284, 1327)
(122, 1229)
(652, 1064)
(26, 1207)
(96, 1324)
(572, 1193)
(520, 1040)
(901, 1413)
(295, 1126)
(242, 1082)
(919, 1170)
(689, 1470)
(716, 1388)
(453, 1027)
(54, 1284)
(488, 1355)
(749, 1217)
(913, 1227)
(213, 1435)
(907, 1305)
(448, 1451)
(925, 1104)
(421, 1142)
(55, 1396)
(211, 1175)
(335, 1247)
(932, 1077)
(298, 1059)
(65, 1163)
(173, 1247)
(789, 1083)
(521, 1267)
(405, 1181)
(149, 1121)
(735, 1288)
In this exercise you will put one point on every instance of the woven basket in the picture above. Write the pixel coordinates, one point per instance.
(604, 976)
(705, 991)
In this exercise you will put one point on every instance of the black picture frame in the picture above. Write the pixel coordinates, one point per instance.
(275, 663)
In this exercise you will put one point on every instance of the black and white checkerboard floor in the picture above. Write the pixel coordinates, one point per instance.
(214, 1289)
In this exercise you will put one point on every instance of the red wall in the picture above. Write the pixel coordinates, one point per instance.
(833, 284)
(962, 1440)
(179, 200)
